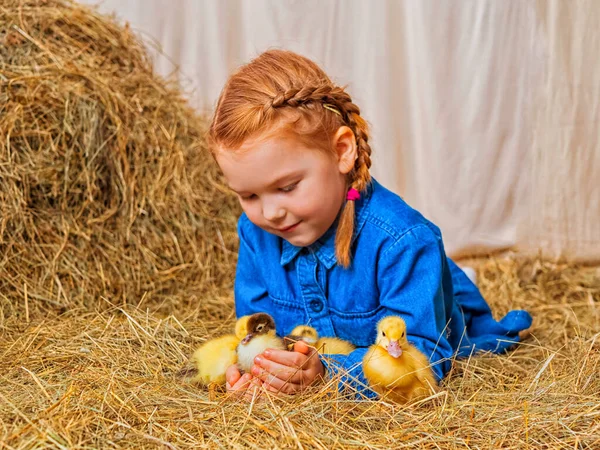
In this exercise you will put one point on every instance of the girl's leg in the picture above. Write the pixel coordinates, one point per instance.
(482, 331)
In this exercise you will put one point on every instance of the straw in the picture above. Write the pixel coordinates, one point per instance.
(109, 379)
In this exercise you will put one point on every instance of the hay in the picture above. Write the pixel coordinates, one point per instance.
(108, 380)
(106, 187)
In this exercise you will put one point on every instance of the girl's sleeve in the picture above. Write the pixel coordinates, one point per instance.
(413, 283)
(249, 288)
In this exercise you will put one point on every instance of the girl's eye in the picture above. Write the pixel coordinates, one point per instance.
(289, 188)
(248, 197)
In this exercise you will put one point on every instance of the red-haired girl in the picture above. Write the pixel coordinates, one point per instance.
(323, 243)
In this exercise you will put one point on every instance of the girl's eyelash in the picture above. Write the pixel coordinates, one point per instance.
(289, 187)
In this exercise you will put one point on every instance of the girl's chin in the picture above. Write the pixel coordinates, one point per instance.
(300, 241)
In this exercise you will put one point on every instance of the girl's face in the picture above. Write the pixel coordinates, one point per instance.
(288, 189)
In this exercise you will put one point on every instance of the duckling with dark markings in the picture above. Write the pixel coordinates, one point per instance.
(260, 336)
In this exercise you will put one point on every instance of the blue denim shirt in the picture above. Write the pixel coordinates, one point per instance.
(399, 267)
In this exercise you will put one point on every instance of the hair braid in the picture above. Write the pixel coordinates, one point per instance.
(360, 176)
(297, 96)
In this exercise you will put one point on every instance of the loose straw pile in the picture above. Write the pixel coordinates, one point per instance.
(108, 379)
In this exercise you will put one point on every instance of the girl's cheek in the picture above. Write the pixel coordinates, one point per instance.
(301, 204)
(253, 212)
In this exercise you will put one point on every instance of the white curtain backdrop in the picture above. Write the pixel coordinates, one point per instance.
(485, 114)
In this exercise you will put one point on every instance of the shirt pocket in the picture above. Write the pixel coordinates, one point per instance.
(357, 327)
(287, 313)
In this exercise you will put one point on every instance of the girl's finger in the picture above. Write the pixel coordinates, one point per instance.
(278, 386)
(253, 389)
(246, 388)
(266, 370)
(232, 375)
(303, 347)
(241, 384)
(285, 358)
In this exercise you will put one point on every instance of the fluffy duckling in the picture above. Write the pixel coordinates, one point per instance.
(324, 345)
(211, 360)
(260, 335)
(302, 333)
(394, 367)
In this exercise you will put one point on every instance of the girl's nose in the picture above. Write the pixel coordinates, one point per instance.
(273, 212)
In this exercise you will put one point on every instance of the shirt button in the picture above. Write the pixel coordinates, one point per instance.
(316, 305)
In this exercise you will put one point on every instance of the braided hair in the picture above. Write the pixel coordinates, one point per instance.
(278, 87)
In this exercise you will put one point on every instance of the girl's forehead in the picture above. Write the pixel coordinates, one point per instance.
(273, 152)
(259, 163)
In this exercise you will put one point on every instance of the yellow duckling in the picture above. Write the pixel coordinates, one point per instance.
(211, 360)
(260, 335)
(396, 369)
(324, 345)
(302, 333)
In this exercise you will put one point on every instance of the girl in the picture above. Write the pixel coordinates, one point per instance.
(323, 243)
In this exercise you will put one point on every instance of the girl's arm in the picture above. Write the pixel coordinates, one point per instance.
(414, 284)
(249, 288)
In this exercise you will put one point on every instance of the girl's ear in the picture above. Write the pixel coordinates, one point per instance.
(344, 143)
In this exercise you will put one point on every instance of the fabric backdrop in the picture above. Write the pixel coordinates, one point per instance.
(485, 114)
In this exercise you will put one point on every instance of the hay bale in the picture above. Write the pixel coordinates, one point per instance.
(106, 187)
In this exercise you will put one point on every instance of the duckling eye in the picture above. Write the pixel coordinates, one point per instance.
(260, 327)
(383, 333)
(403, 334)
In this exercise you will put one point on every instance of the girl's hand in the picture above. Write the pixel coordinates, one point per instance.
(241, 385)
(288, 372)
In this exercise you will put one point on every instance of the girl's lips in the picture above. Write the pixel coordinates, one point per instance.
(290, 228)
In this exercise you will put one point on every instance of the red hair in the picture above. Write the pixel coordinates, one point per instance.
(283, 89)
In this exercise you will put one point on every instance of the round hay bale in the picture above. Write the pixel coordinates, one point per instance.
(106, 187)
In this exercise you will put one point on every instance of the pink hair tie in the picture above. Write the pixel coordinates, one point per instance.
(352, 195)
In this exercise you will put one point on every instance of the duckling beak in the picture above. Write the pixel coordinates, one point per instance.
(247, 338)
(394, 349)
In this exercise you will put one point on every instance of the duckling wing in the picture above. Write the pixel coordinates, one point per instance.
(334, 346)
(213, 358)
(423, 372)
(396, 373)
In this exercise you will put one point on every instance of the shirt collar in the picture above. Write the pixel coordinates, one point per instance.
(324, 247)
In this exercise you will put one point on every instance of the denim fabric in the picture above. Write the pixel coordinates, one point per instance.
(399, 268)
